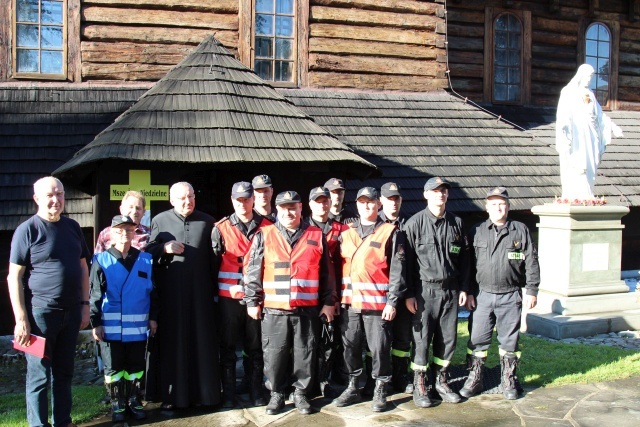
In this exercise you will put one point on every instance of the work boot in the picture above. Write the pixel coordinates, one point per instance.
(256, 393)
(276, 403)
(118, 406)
(399, 379)
(133, 399)
(370, 384)
(508, 365)
(245, 384)
(474, 384)
(228, 387)
(421, 390)
(379, 401)
(324, 387)
(350, 395)
(442, 386)
(301, 402)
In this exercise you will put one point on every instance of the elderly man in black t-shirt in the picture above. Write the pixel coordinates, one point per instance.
(53, 250)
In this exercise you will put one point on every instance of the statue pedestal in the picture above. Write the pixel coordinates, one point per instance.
(579, 250)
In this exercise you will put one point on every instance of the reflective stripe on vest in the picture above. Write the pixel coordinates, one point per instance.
(365, 270)
(291, 276)
(126, 302)
(236, 246)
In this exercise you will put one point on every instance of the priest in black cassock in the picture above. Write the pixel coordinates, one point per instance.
(188, 367)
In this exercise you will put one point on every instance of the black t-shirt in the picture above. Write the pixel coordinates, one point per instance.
(51, 252)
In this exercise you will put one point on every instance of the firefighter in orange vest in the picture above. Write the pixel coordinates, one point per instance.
(287, 279)
(373, 280)
(231, 238)
(330, 347)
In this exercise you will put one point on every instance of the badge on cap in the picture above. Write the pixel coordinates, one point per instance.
(260, 180)
(438, 179)
(241, 188)
(366, 192)
(393, 187)
(497, 191)
(287, 196)
(319, 190)
(336, 182)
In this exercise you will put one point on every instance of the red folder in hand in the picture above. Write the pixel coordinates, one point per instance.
(35, 347)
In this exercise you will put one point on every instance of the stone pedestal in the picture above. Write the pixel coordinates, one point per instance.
(579, 250)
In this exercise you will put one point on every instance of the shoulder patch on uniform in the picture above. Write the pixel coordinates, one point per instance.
(377, 245)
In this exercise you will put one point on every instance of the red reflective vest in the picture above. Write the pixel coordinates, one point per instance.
(236, 246)
(365, 268)
(333, 236)
(291, 277)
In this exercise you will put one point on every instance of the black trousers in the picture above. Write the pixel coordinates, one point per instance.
(285, 336)
(435, 322)
(502, 311)
(121, 356)
(236, 324)
(402, 332)
(356, 327)
(330, 345)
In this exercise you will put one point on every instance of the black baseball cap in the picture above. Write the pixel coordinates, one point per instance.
(334, 184)
(261, 181)
(319, 192)
(241, 189)
(119, 220)
(498, 192)
(436, 182)
(287, 197)
(390, 189)
(369, 192)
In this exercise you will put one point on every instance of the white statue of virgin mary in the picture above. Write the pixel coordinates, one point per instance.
(582, 133)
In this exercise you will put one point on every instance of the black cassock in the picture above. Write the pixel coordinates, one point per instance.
(184, 370)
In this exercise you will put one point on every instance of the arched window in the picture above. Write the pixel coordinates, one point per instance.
(507, 59)
(598, 55)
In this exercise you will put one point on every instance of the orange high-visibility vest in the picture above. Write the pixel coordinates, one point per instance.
(291, 276)
(365, 268)
(236, 246)
(333, 235)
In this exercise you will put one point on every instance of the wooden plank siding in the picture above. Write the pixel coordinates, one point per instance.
(556, 46)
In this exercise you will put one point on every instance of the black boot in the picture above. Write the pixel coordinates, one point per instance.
(301, 402)
(133, 399)
(442, 386)
(474, 384)
(399, 379)
(256, 392)
(421, 390)
(350, 395)
(245, 384)
(228, 387)
(508, 365)
(370, 384)
(118, 406)
(276, 403)
(379, 401)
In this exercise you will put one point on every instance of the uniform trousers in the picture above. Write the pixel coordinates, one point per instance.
(435, 322)
(356, 327)
(236, 324)
(500, 310)
(402, 333)
(119, 356)
(285, 336)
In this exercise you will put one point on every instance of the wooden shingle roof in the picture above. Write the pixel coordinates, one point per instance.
(40, 129)
(413, 137)
(210, 108)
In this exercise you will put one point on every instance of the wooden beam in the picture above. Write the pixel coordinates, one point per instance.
(74, 61)
(141, 53)
(126, 71)
(363, 47)
(6, 12)
(366, 64)
(360, 17)
(165, 18)
(228, 6)
(376, 81)
(423, 38)
(157, 35)
(411, 6)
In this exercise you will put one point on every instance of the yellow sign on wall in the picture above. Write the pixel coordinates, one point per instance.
(140, 180)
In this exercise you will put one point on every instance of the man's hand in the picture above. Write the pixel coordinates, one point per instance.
(328, 311)
(389, 312)
(412, 305)
(174, 247)
(471, 302)
(98, 333)
(530, 301)
(153, 327)
(462, 298)
(85, 317)
(22, 332)
(336, 311)
(255, 312)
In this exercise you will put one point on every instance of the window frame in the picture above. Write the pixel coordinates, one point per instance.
(614, 32)
(246, 41)
(524, 16)
(14, 47)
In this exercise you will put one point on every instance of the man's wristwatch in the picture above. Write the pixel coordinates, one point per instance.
(84, 302)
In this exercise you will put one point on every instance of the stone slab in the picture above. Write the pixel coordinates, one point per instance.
(574, 305)
(557, 326)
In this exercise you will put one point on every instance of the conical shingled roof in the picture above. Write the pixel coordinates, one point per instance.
(211, 108)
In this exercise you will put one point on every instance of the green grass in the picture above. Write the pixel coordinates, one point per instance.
(86, 406)
(551, 364)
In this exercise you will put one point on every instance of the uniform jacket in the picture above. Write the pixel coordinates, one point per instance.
(505, 261)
